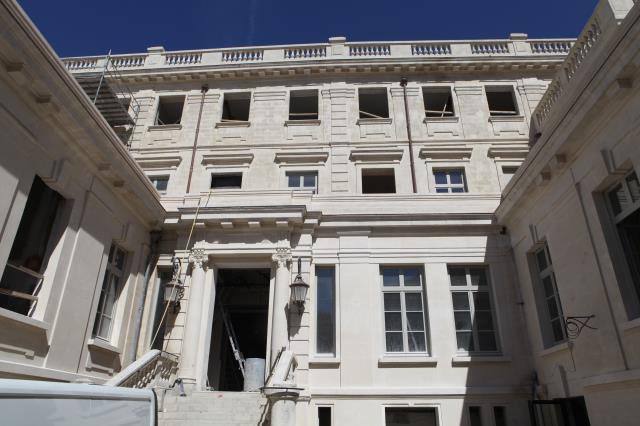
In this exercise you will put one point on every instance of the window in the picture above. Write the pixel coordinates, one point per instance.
(160, 183)
(499, 416)
(235, 107)
(624, 199)
(111, 288)
(169, 110)
(303, 105)
(303, 180)
(226, 181)
(373, 103)
(160, 323)
(548, 299)
(324, 416)
(404, 416)
(404, 315)
(472, 309)
(508, 172)
(325, 310)
(378, 181)
(22, 275)
(501, 101)
(438, 102)
(475, 416)
(448, 181)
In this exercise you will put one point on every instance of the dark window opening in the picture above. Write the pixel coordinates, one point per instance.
(438, 102)
(325, 310)
(373, 103)
(324, 416)
(169, 110)
(235, 107)
(475, 416)
(378, 181)
(159, 319)
(28, 257)
(499, 416)
(160, 183)
(629, 231)
(404, 416)
(226, 181)
(303, 105)
(501, 101)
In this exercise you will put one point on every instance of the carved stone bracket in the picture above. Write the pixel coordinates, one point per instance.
(282, 256)
(198, 258)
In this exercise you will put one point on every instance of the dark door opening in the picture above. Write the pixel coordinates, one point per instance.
(559, 412)
(243, 294)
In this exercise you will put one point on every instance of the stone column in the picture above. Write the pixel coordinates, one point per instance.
(280, 327)
(193, 323)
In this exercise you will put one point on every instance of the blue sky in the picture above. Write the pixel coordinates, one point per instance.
(86, 27)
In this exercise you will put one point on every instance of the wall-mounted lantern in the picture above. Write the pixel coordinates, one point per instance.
(299, 288)
(174, 290)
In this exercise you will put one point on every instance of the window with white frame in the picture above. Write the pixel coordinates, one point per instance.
(624, 201)
(548, 299)
(160, 183)
(450, 180)
(473, 309)
(29, 255)
(111, 288)
(403, 306)
(303, 180)
(325, 310)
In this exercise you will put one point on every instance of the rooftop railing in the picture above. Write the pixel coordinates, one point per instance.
(337, 48)
(605, 19)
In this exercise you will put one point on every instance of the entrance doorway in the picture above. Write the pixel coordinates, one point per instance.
(242, 295)
(559, 412)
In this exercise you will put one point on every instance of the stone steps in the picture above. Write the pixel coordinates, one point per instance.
(214, 409)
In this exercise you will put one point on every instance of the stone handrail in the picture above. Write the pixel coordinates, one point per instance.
(605, 19)
(155, 369)
(157, 59)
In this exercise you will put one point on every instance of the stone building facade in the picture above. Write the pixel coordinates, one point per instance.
(391, 172)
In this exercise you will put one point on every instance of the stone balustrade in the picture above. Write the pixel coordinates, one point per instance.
(155, 369)
(156, 59)
(606, 18)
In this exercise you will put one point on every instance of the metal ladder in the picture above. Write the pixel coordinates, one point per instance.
(233, 339)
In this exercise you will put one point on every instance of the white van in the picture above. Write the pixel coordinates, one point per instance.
(30, 402)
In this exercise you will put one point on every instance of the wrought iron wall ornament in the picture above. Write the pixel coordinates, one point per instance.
(575, 325)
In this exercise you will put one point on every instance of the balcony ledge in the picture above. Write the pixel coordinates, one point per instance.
(291, 123)
(373, 121)
(162, 127)
(227, 124)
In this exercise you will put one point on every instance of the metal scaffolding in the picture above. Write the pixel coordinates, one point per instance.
(114, 100)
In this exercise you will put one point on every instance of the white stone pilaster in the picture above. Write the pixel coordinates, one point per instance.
(193, 323)
(280, 328)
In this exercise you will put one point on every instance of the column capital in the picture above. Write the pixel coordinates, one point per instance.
(198, 258)
(282, 256)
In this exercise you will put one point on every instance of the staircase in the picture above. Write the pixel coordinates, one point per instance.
(213, 409)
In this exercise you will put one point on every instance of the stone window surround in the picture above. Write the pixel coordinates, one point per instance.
(383, 120)
(154, 110)
(536, 283)
(324, 360)
(437, 407)
(385, 356)
(160, 173)
(454, 99)
(293, 168)
(446, 165)
(305, 122)
(501, 84)
(492, 356)
(222, 124)
(624, 279)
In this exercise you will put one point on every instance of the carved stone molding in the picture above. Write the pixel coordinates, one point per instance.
(282, 256)
(198, 258)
